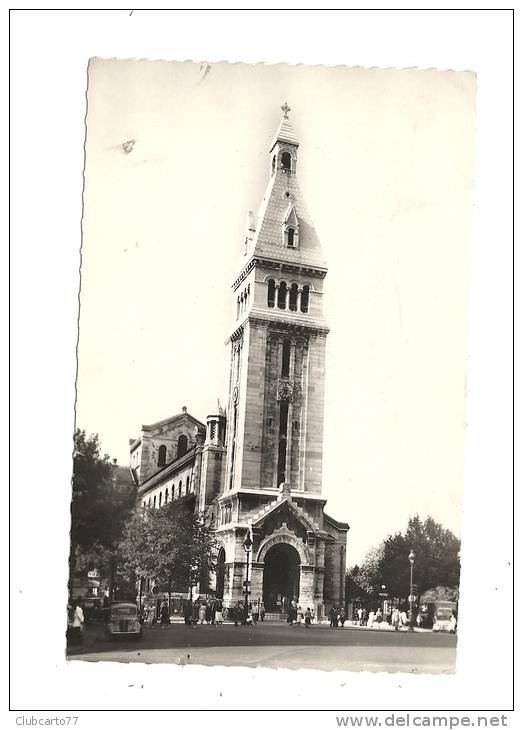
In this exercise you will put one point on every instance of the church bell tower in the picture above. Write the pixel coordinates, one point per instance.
(278, 547)
(277, 343)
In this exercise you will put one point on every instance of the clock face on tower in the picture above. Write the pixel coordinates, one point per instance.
(285, 389)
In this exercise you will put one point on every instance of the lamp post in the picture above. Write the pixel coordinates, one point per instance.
(412, 558)
(247, 546)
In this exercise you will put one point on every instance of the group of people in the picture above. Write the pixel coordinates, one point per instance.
(376, 617)
(337, 617)
(296, 616)
(203, 612)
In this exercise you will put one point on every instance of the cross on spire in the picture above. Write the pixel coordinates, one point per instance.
(285, 109)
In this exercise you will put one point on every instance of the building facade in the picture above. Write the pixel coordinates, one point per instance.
(256, 470)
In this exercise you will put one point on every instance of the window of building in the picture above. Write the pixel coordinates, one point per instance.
(182, 445)
(282, 295)
(282, 441)
(290, 237)
(162, 455)
(293, 298)
(305, 300)
(286, 358)
(271, 293)
(286, 161)
(160, 500)
(187, 485)
(180, 489)
(166, 495)
(154, 501)
(172, 492)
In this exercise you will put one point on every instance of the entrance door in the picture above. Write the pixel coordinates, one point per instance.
(281, 577)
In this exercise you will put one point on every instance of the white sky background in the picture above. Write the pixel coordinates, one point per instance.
(386, 167)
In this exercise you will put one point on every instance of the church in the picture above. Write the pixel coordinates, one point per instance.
(255, 468)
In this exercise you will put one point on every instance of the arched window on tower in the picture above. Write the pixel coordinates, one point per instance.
(305, 300)
(286, 161)
(286, 358)
(187, 485)
(290, 238)
(293, 299)
(179, 489)
(162, 455)
(172, 492)
(271, 293)
(282, 295)
(182, 445)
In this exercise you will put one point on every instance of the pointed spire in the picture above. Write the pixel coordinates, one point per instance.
(285, 133)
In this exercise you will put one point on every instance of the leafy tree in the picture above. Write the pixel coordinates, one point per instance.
(355, 589)
(100, 506)
(436, 563)
(170, 544)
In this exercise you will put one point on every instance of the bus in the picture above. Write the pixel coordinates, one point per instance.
(439, 615)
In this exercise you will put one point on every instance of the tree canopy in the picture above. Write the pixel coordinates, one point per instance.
(171, 544)
(436, 563)
(100, 505)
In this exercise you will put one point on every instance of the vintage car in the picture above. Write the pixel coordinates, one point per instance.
(123, 620)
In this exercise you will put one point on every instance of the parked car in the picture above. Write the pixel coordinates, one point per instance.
(123, 620)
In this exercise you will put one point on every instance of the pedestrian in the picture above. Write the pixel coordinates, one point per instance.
(379, 616)
(308, 618)
(359, 614)
(218, 616)
(370, 621)
(453, 623)
(299, 616)
(262, 611)
(187, 613)
(201, 613)
(419, 619)
(332, 613)
(364, 617)
(164, 615)
(403, 618)
(75, 623)
(208, 613)
(342, 617)
(150, 614)
(396, 619)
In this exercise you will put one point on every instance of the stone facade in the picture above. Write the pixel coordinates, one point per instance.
(257, 473)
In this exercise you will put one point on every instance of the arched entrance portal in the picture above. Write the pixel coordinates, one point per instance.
(281, 577)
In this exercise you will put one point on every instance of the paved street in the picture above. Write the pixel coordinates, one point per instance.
(277, 645)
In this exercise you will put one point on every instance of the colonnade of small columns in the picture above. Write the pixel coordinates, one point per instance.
(293, 298)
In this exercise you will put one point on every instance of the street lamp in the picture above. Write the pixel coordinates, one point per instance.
(412, 558)
(247, 546)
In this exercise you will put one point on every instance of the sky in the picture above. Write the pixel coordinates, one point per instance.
(176, 155)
